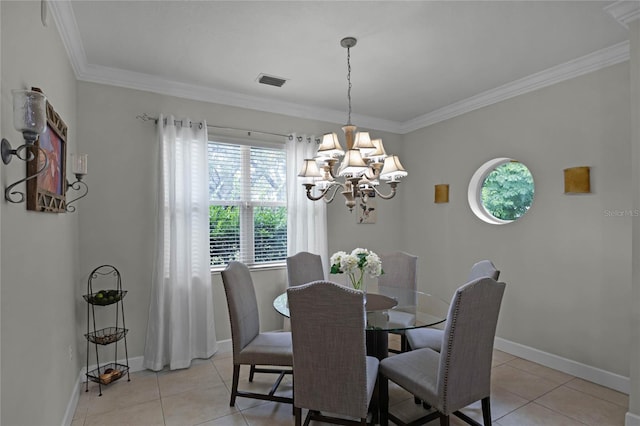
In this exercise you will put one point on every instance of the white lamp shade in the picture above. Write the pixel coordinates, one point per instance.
(352, 164)
(29, 111)
(330, 146)
(379, 154)
(392, 169)
(363, 143)
(310, 169)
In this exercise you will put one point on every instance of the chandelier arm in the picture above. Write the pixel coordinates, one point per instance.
(335, 187)
(376, 173)
(389, 196)
(309, 187)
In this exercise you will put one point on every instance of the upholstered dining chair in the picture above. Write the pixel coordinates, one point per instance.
(461, 373)
(400, 270)
(334, 378)
(304, 267)
(483, 268)
(250, 346)
(419, 338)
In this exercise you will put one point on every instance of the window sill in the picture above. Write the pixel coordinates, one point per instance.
(269, 267)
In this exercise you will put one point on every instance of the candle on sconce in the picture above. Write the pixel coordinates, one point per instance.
(79, 162)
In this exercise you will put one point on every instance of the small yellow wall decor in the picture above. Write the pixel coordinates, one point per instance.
(577, 180)
(441, 193)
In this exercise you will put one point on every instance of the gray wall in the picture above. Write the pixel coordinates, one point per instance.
(40, 285)
(567, 264)
(634, 397)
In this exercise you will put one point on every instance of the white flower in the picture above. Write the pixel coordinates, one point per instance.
(349, 263)
(358, 251)
(336, 259)
(356, 264)
(373, 265)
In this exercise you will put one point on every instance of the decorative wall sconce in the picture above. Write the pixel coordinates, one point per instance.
(30, 118)
(577, 180)
(79, 164)
(441, 193)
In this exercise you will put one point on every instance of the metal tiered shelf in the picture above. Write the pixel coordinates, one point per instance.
(109, 372)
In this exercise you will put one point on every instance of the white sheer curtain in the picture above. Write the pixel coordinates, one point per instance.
(181, 324)
(307, 220)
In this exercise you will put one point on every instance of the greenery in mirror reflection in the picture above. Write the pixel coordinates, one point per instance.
(507, 192)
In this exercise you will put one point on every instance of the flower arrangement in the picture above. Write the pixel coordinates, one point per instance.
(356, 264)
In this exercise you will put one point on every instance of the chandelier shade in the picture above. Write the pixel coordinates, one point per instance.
(392, 169)
(310, 169)
(362, 165)
(330, 146)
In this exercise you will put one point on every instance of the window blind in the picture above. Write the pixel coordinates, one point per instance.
(247, 204)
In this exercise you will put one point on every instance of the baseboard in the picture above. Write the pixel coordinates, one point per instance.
(135, 364)
(583, 371)
(72, 405)
(631, 420)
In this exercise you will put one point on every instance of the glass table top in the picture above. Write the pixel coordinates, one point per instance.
(392, 308)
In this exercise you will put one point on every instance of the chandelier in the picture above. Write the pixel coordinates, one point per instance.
(364, 164)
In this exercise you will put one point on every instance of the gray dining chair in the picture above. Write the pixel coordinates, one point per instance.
(461, 374)
(483, 268)
(419, 338)
(250, 346)
(400, 270)
(304, 267)
(334, 378)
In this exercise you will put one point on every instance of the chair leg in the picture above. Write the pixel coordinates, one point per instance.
(252, 372)
(298, 413)
(234, 384)
(374, 404)
(404, 345)
(444, 420)
(383, 400)
(486, 411)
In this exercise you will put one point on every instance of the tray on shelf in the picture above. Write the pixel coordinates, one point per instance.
(106, 335)
(108, 373)
(105, 297)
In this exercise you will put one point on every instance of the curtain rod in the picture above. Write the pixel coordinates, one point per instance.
(147, 117)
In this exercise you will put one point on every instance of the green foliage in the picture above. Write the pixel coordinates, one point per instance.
(507, 192)
(270, 234)
(224, 234)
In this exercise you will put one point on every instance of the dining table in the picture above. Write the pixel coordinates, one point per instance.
(389, 309)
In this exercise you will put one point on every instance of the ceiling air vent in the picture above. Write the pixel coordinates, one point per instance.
(271, 80)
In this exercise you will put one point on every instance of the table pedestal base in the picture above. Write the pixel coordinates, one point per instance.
(377, 343)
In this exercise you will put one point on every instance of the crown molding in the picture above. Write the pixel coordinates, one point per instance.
(583, 65)
(65, 20)
(68, 29)
(624, 11)
(155, 84)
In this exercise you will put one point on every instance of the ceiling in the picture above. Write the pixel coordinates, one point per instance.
(415, 63)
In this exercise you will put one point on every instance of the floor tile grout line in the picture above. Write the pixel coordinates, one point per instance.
(540, 376)
(565, 414)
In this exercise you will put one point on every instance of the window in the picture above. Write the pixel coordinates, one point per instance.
(501, 191)
(247, 204)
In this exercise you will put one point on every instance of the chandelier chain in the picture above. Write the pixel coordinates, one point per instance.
(349, 81)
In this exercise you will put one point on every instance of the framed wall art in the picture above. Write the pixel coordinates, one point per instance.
(367, 211)
(47, 192)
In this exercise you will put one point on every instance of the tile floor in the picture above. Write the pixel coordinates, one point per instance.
(523, 393)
